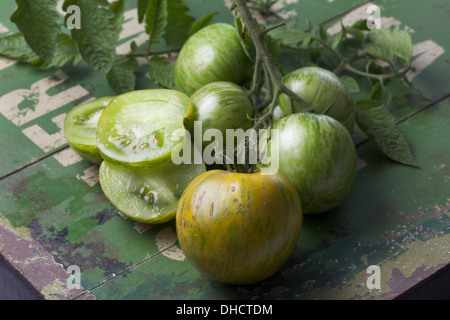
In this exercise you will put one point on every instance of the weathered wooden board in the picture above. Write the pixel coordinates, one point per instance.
(53, 214)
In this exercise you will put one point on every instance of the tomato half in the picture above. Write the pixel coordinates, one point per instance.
(148, 195)
(80, 128)
(238, 228)
(137, 128)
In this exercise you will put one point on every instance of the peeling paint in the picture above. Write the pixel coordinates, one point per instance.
(419, 260)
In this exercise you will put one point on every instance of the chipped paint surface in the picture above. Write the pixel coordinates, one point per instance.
(418, 261)
(35, 263)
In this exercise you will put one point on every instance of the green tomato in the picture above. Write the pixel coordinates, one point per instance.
(220, 105)
(213, 53)
(320, 88)
(138, 128)
(147, 195)
(317, 154)
(80, 128)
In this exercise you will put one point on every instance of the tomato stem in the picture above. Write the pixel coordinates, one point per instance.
(274, 83)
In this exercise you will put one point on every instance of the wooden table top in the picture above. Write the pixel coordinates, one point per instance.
(55, 219)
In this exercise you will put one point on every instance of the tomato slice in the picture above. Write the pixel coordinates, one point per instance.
(148, 195)
(80, 128)
(137, 127)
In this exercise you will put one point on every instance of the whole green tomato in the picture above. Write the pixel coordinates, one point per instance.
(320, 88)
(213, 53)
(220, 105)
(238, 228)
(317, 154)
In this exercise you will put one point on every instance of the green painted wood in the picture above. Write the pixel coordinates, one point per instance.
(399, 222)
(53, 213)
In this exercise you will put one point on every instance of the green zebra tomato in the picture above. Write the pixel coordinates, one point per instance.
(317, 154)
(238, 228)
(147, 195)
(213, 53)
(80, 128)
(320, 88)
(137, 128)
(220, 105)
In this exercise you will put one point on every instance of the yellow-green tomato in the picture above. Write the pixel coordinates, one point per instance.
(239, 228)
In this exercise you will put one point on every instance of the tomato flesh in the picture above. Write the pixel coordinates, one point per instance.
(148, 195)
(137, 128)
(80, 128)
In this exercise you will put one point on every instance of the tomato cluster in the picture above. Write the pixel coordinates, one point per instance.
(235, 227)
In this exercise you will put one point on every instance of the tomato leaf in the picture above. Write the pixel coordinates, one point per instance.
(162, 72)
(179, 23)
(379, 125)
(37, 21)
(156, 20)
(121, 77)
(14, 46)
(96, 39)
(118, 8)
(246, 40)
(397, 41)
(66, 52)
(379, 51)
(142, 6)
(201, 23)
(350, 83)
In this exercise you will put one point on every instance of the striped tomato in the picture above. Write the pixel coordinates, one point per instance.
(320, 88)
(317, 154)
(213, 53)
(238, 228)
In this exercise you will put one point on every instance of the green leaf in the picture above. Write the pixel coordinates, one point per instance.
(118, 8)
(398, 41)
(201, 23)
(290, 37)
(162, 72)
(142, 6)
(156, 20)
(14, 46)
(97, 37)
(357, 33)
(246, 40)
(121, 77)
(66, 52)
(350, 83)
(178, 24)
(361, 25)
(381, 94)
(37, 21)
(379, 52)
(380, 127)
